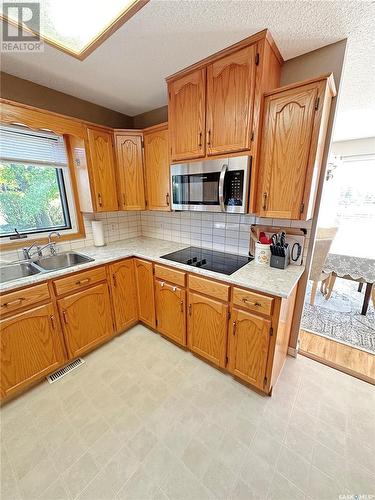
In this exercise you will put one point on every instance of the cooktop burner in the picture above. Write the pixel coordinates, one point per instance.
(220, 262)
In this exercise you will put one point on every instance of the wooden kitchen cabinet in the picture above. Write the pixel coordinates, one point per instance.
(230, 101)
(101, 163)
(208, 328)
(145, 292)
(249, 338)
(186, 115)
(156, 156)
(170, 311)
(86, 318)
(124, 294)
(293, 135)
(130, 180)
(31, 347)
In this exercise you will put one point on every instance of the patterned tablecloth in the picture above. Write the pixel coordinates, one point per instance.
(358, 268)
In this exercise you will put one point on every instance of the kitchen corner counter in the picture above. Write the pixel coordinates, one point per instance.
(278, 282)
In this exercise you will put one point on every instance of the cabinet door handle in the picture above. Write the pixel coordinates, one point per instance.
(182, 306)
(52, 318)
(65, 317)
(162, 284)
(209, 137)
(247, 301)
(200, 139)
(174, 288)
(83, 282)
(123, 199)
(234, 327)
(13, 302)
(100, 202)
(167, 199)
(114, 280)
(265, 199)
(190, 309)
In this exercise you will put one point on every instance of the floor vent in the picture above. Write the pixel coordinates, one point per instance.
(54, 377)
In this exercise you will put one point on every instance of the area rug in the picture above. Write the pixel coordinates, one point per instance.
(339, 318)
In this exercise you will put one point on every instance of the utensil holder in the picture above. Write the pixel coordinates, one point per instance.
(280, 262)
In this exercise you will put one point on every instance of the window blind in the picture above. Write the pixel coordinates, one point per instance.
(22, 145)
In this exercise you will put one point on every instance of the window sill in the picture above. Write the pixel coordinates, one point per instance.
(24, 242)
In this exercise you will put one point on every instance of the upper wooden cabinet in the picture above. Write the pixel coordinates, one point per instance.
(214, 105)
(101, 165)
(31, 348)
(293, 133)
(230, 100)
(187, 114)
(156, 156)
(130, 182)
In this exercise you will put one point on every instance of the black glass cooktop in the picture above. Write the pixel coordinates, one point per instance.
(220, 262)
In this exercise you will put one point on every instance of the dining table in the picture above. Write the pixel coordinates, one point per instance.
(354, 268)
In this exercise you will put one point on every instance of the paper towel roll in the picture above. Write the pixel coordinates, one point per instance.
(98, 233)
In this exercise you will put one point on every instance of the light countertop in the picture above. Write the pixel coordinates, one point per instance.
(278, 282)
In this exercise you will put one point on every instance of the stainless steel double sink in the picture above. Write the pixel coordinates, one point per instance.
(47, 264)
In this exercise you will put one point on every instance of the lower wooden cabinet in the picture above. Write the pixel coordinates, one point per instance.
(31, 347)
(124, 294)
(86, 318)
(145, 292)
(249, 337)
(170, 311)
(208, 328)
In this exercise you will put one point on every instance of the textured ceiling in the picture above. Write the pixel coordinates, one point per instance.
(127, 72)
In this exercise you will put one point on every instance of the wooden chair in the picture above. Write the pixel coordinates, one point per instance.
(323, 243)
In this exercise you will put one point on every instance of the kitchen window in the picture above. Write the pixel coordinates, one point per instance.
(35, 184)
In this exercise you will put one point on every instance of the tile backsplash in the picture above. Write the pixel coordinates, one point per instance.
(217, 231)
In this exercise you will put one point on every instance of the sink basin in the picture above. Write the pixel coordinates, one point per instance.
(61, 260)
(16, 271)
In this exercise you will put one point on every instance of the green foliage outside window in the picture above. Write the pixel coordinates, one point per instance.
(30, 198)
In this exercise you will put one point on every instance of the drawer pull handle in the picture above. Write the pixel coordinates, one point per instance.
(82, 282)
(65, 317)
(247, 301)
(13, 302)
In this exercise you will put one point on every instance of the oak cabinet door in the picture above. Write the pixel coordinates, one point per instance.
(102, 169)
(157, 169)
(131, 189)
(145, 292)
(86, 318)
(186, 115)
(230, 99)
(287, 131)
(249, 337)
(124, 294)
(170, 311)
(208, 328)
(31, 348)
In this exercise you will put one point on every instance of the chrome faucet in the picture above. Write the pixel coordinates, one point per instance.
(27, 254)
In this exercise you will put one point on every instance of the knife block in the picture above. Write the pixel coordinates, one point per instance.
(280, 262)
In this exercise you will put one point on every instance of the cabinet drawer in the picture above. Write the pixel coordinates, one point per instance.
(208, 287)
(252, 301)
(167, 274)
(78, 281)
(15, 300)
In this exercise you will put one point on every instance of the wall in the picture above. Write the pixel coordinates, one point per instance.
(26, 92)
(153, 117)
(117, 226)
(364, 146)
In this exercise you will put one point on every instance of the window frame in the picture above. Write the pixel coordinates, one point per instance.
(40, 120)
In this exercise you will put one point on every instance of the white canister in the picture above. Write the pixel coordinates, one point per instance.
(98, 233)
(262, 254)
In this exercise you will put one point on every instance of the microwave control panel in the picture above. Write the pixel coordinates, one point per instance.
(233, 188)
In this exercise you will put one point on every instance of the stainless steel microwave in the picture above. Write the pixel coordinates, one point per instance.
(211, 185)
